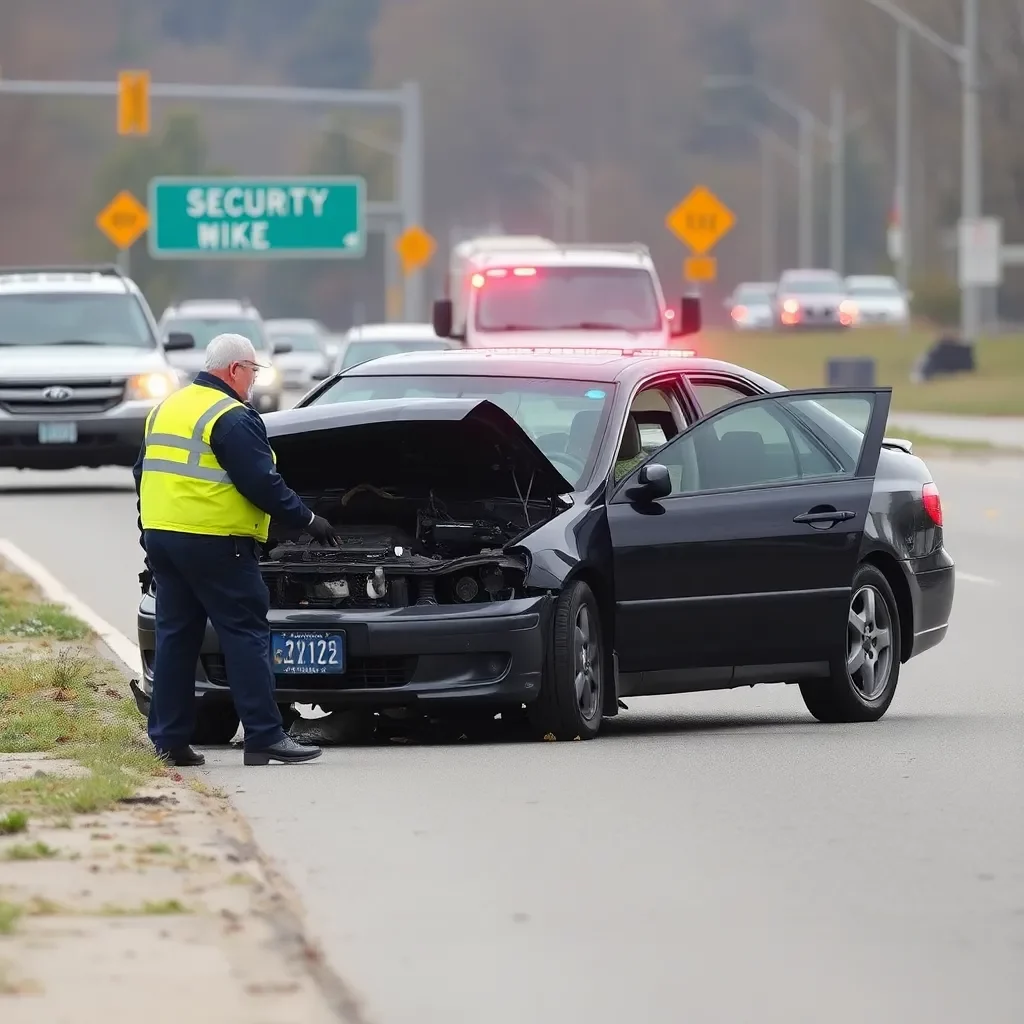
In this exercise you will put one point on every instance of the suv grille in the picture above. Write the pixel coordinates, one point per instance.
(50, 397)
(360, 673)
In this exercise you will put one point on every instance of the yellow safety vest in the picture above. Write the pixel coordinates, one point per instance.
(184, 488)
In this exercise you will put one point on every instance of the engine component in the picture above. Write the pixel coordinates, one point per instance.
(461, 537)
(494, 581)
(466, 588)
(376, 585)
(331, 589)
(427, 592)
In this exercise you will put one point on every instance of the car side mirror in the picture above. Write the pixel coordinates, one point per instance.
(689, 320)
(652, 484)
(444, 317)
(280, 348)
(179, 341)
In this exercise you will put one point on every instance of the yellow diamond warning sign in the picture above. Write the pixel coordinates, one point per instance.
(700, 220)
(123, 220)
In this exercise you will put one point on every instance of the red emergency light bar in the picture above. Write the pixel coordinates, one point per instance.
(570, 350)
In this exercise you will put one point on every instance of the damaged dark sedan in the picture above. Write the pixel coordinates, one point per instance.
(540, 535)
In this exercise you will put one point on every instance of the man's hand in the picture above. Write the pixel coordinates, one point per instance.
(323, 532)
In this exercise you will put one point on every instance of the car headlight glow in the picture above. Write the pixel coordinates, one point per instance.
(151, 386)
(267, 376)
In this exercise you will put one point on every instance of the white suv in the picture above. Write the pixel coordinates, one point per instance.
(81, 366)
(204, 319)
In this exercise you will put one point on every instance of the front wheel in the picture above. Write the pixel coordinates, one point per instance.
(572, 693)
(866, 671)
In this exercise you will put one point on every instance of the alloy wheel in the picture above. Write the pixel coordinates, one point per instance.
(869, 643)
(587, 663)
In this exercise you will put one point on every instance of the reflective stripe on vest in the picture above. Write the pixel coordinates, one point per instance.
(184, 488)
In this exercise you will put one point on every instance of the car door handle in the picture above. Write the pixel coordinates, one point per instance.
(825, 517)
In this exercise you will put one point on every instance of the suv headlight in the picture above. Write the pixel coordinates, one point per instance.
(151, 386)
(267, 376)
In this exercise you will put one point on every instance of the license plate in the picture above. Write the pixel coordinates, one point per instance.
(58, 433)
(306, 652)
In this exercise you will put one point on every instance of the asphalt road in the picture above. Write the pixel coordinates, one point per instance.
(716, 858)
(1000, 431)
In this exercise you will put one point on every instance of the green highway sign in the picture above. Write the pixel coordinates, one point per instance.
(262, 218)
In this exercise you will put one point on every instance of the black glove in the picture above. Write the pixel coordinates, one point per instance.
(322, 532)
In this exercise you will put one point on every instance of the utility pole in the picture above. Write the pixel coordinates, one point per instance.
(769, 214)
(837, 198)
(970, 200)
(806, 187)
(903, 154)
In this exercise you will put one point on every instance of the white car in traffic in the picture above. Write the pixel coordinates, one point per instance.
(878, 300)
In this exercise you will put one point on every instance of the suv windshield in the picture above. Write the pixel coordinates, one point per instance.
(74, 318)
(301, 339)
(566, 298)
(565, 418)
(205, 329)
(361, 351)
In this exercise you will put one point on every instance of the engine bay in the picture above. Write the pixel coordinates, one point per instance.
(398, 551)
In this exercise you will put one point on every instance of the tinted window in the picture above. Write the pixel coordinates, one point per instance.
(768, 441)
(53, 318)
(567, 298)
(564, 417)
(714, 396)
(205, 329)
(750, 294)
(813, 285)
(361, 351)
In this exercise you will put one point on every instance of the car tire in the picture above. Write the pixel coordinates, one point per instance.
(866, 671)
(216, 723)
(571, 696)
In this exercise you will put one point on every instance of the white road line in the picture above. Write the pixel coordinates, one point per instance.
(55, 591)
(968, 577)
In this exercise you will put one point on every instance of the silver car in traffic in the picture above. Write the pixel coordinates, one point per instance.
(878, 300)
(813, 300)
(309, 350)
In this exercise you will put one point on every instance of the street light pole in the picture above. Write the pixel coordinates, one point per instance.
(837, 204)
(970, 199)
(806, 188)
(903, 155)
(769, 248)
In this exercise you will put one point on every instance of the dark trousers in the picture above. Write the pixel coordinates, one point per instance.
(199, 577)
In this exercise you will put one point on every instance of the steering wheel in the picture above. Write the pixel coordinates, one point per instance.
(576, 465)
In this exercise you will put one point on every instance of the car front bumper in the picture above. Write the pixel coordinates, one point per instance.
(111, 438)
(439, 655)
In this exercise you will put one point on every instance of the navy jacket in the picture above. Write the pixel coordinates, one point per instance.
(239, 440)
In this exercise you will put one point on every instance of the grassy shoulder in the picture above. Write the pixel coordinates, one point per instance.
(799, 361)
(60, 696)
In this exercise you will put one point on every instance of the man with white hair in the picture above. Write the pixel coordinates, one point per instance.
(208, 486)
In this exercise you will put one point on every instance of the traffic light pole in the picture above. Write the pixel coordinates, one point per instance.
(407, 208)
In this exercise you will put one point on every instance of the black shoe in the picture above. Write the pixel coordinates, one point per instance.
(286, 751)
(182, 757)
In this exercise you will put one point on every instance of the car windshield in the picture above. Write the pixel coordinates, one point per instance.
(70, 318)
(751, 293)
(880, 288)
(565, 418)
(205, 329)
(813, 285)
(566, 298)
(361, 351)
(300, 339)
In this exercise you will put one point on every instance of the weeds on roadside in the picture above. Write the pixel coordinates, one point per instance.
(30, 851)
(9, 915)
(24, 617)
(13, 822)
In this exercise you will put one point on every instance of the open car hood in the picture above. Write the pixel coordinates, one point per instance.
(456, 446)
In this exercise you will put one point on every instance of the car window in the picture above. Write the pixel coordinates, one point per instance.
(565, 418)
(714, 396)
(82, 318)
(205, 329)
(773, 440)
(300, 341)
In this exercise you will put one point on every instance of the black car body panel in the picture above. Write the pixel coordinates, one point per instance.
(712, 589)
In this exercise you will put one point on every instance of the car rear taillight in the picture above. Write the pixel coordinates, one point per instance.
(932, 503)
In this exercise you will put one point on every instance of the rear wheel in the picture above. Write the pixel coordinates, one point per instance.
(216, 723)
(865, 673)
(572, 692)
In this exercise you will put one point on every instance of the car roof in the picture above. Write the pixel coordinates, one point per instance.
(761, 286)
(871, 279)
(213, 308)
(392, 332)
(813, 274)
(66, 280)
(606, 367)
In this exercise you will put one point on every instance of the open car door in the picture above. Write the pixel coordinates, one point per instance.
(745, 556)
